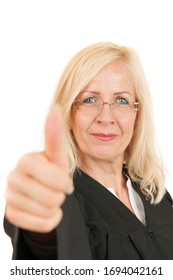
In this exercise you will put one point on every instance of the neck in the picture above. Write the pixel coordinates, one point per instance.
(109, 174)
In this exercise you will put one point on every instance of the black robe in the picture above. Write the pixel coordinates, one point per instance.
(97, 225)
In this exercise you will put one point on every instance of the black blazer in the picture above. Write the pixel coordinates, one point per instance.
(97, 225)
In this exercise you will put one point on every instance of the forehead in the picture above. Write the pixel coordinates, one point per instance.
(114, 74)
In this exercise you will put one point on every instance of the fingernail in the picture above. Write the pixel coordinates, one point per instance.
(56, 107)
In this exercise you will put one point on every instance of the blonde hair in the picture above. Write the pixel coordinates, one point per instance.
(141, 158)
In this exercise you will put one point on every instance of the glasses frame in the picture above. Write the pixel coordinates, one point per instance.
(78, 103)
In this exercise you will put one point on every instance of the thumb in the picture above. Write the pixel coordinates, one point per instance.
(54, 137)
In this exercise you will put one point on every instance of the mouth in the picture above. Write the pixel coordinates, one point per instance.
(104, 137)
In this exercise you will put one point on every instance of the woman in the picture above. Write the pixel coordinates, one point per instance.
(102, 143)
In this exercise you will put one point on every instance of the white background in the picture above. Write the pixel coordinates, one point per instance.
(37, 39)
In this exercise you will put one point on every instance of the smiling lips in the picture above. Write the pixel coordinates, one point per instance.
(104, 137)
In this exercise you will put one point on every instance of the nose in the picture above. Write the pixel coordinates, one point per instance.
(105, 114)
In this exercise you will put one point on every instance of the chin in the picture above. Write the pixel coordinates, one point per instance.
(107, 157)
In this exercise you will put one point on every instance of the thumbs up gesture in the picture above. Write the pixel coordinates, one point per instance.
(37, 187)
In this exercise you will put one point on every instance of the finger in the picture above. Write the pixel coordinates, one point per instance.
(40, 170)
(54, 137)
(27, 186)
(34, 207)
(31, 222)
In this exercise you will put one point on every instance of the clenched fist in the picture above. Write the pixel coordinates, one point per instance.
(37, 187)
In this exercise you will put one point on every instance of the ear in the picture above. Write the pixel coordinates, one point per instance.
(70, 126)
(136, 121)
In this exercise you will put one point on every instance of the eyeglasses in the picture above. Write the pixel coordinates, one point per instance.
(93, 105)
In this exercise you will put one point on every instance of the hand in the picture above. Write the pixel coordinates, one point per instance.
(37, 187)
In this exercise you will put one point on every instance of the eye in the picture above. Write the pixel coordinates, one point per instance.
(121, 101)
(89, 100)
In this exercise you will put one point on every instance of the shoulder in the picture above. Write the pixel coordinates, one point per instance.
(168, 199)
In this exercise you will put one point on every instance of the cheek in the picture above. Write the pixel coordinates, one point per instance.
(79, 127)
(127, 125)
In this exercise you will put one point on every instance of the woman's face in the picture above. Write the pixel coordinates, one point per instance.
(103, 133)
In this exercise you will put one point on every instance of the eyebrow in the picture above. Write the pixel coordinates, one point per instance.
(98, 93)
